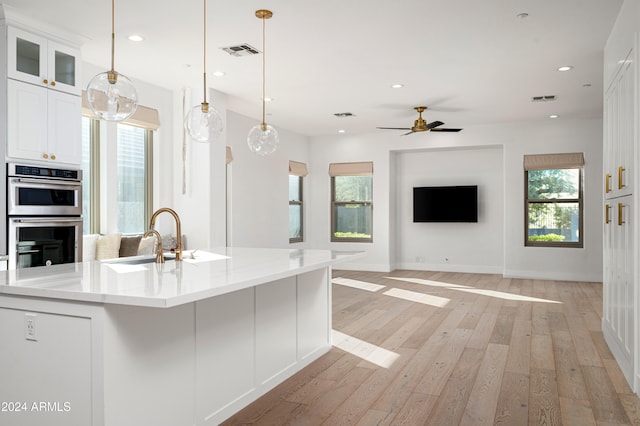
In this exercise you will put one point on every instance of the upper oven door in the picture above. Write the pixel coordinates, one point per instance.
(43, 197)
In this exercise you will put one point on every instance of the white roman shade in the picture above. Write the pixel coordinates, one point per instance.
(229, 155)
(554, 161)
(145, 117)
(351, 169)
(298, 169)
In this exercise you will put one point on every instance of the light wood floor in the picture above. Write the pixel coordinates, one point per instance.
(453, 348)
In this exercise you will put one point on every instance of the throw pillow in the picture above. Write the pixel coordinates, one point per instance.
(129, 245)
(108, 246)
(147, 246)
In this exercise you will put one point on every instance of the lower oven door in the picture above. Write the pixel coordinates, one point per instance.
(44, 241)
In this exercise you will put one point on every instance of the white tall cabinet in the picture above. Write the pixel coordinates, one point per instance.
(41, 94)
(619, 290)
(621, 295)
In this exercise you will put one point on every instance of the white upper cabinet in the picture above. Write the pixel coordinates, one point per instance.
(35, 59)
(43, 125)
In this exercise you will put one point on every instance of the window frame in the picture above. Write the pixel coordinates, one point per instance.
(93, 176)
(148, 172)
(580, 201)
(335, 204)
(299, 202)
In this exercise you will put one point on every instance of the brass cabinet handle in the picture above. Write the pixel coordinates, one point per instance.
(607, 183)
(45, 156)
(607, 208)
(45, 81)
(620, 220)
(53, 83)
(620, 184)
(53, 157)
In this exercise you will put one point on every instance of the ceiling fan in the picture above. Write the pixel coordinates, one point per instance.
(421, 126)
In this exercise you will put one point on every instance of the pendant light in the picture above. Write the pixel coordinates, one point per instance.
(203, 122)
(263, 139)
(111, 95)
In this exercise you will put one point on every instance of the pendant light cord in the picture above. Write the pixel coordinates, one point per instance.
(113, 34)
(264, 53)
(204, 65)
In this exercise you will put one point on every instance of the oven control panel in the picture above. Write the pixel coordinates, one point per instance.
(43, 172)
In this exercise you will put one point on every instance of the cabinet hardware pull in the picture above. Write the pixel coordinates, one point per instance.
(45, 81)
(53, 157)
(607, 208)
(620, 220)
(45, 156)
(620, 184)
(607, 183)
(53, 83)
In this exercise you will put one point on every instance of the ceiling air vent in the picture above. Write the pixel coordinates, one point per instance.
(241, 50)
(548, 98)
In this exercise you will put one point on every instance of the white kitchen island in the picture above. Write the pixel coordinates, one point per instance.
(183, 343)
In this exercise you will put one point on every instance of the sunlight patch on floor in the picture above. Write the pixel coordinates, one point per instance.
(362, 285)
(428, 282)
(365, 350)
(414, 296)
(505, 296)
(483, 292)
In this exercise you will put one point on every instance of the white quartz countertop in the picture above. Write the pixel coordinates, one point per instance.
(213, 272)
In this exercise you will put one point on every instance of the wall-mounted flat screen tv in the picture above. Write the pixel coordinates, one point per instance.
(445, 203)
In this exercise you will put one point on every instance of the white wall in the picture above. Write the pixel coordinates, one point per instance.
(516, 140)
(472, 247)
(259, 211)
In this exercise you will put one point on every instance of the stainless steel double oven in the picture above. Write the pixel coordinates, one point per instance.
(44, 215)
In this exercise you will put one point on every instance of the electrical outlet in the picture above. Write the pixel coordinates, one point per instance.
(420, 259)
(30, 327)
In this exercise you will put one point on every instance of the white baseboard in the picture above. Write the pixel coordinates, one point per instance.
(444, 267)
(370, 267)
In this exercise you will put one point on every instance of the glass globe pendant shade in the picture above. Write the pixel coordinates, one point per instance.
(263, 139)
(112, 96)
(203, 123)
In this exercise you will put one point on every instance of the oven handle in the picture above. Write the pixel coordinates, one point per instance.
(47, 220)
(46, 183)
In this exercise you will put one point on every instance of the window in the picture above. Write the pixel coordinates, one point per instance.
(297, 171)
(135, 175)
(131, 143)
(351, 202)
(554, 204)
(90, 175)
(295, 209)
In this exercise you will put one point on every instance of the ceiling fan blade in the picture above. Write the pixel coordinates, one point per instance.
(434, 124)
(394, 128)
(405, 134)
(445, 130)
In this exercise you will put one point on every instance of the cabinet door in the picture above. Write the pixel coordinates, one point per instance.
(26, 120)
(27, 56)
(64, 128)
(63, 73)
(624, 264)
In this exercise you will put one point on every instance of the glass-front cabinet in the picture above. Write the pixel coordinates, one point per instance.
(35, 59)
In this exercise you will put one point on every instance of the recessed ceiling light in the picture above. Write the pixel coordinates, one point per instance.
(218, 73)
(565, 68)
(554, 116)
(136, 37)
(341, 131)
(522, 15)
(397, 86)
